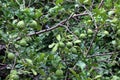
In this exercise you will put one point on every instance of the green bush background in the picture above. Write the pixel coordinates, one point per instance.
(81, 43)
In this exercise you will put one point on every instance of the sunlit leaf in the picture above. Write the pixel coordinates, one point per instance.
(81, 64)
(58, 37)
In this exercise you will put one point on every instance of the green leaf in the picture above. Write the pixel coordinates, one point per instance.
(77, 41)
(29, 61)
(42, 72)
(51, 45)
(115, 78)
(58, 37)
(97, 77)
(38, 13)
(87, 2)
(55, 48)
(58, 2)
(34, 72)
(81, 1)
(81, 64)
(42, 56)
(74, 73)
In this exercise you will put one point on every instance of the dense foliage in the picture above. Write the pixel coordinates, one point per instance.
(59, 40)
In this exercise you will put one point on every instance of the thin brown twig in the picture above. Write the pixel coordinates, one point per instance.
(14, 62)
(55, 26)
(101, 3)
(1, 64)
(91, 7)
(70, 31)
(23, 3)
(29, 3)
(102, 54)
(91, 43)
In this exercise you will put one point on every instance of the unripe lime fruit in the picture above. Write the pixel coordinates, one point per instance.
(49, 78)
(14, 77)
(66, 49)
(33, 24)
(21, 24)
(89, 21)
(28, 39)
(89, 31)
(111, 12)
(74, 50)
(14, 22)
(59, 72)
(106, 33)
(114, 43)
(77, 41)
(23, 42)
(10, 55)
(89, 35)
(61, 44)
(13, 72)
(76, 32)
(76, 5)
(82, 35)
(69, 44)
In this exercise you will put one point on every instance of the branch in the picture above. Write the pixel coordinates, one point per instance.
(101, 3)
(55, 26)
(96, 29)
(70, 31)
(103, 54)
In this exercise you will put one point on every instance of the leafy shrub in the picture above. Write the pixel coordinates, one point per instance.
(59, 40)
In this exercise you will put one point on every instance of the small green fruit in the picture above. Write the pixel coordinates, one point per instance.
(21, 24)
(114, 42)
(59, 72)
(14, 22)
(66, 49)
(28, 39)
(114, 20)
(49, 78)
(33, 24)
(111, 12)
(82, 35)
(69, 44)
(13, 72)
(76, 32)
(89, 21)
(76, 5)
(89, 35)
(106, 33)
(74, 50)
(61, 44)
(23, 42)
(89, 31)
(77, 41)
(14, 77)
(10, 55)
